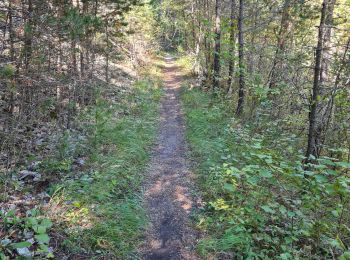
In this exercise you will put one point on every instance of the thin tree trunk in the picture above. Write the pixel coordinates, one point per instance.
(283, 33)
(241, 60)
(74, 56)
(207, 46)
(12, 51)
(107, 54)
(231, 64)
(216, 63)
(198, 40)
(317, 113)
(84, 43)
(193, 26)
(11, 34)
(28, 35)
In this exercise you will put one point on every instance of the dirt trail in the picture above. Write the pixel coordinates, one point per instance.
(167, 189)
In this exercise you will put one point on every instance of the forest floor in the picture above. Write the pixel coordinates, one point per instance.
(95, 200)
(168, 186)
(84, 190)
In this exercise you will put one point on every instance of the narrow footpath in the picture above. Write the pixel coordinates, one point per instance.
(167, 188)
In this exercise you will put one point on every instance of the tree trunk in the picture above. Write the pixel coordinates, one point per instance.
(107, 53)
(84, 42)
(283, 33)
(231, 64)
(74, 56)
(28, 35)
(198, 40)
(207, 46)
(11, 33)
(216, 63)
(318, 107)
(12, 52)
(241, 60)
(193, 27)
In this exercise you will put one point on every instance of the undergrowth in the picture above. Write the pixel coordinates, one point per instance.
(93, 207)
(107, 217)
(260, 201)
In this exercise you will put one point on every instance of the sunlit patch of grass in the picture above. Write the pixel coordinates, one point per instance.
(99, 210)
(186, 62)
(154, 72)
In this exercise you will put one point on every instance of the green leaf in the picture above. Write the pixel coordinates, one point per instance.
(253, 180)
(320, 178)
(265, 173)
(286, 256)
(256, 145)
(282, 209)
(39, 229)
(32, 221)
(337, 243)
(267, 209)
(229, 187)
(335, 213)
(21, 244)
(291, 214)
(77, 204)
(269, 161)
(344, 164)
(42, 238)
(345, 256)
(43, 248)
(46, 222)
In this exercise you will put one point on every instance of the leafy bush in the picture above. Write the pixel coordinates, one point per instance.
(27, 236)
(260, 203)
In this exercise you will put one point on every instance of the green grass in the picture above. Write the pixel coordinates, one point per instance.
(206, 121)
(104, 216)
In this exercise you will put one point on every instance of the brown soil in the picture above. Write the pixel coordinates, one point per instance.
(169, 182)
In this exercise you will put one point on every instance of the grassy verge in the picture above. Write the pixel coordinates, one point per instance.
(106, 217)
(259, 200)
(91, 187)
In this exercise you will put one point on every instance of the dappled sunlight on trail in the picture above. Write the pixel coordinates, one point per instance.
(167, 190)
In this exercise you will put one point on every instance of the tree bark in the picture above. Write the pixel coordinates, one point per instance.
(241, 91)
(217, 47)
(207, 46)
(318, 108)
(283, 33)
(28, 35)
(11, 33)
(231, 64)
(107, 52)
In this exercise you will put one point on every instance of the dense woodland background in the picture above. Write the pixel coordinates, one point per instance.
(53, 54)
(287, 59)
(268, 110)
(277, 177)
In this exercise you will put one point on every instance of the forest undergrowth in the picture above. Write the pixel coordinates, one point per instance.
(91, 205)
(266, 97)
(259, 200)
